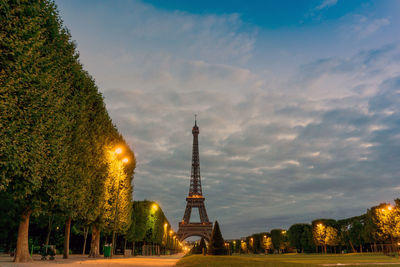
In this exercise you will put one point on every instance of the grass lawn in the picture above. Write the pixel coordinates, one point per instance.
(289, 260)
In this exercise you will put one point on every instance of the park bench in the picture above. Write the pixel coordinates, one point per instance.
(48, 250)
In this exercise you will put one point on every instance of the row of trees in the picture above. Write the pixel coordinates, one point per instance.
(150, 227)
(58, 156)
(376, 230)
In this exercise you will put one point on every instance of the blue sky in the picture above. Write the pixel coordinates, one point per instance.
(297, 101)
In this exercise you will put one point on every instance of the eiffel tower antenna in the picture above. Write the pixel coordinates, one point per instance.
(195, 198)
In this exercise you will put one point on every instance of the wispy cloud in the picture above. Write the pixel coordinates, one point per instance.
(326, 4)
(365, 27)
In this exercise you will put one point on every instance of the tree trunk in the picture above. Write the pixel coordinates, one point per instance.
(95, 243)
(133, 248)
(394, 248)
(49, 226)
(22, 252)
(66, 237)
(352, 247)
(85, 234)
(125, 245)
(114, 244)
(361, 249)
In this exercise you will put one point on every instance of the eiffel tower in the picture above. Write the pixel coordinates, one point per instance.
(195, 199)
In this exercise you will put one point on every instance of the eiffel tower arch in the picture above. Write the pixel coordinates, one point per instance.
(195, 199)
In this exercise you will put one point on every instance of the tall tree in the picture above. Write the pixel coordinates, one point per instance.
(55, 122)
(33, 96)
(279, 239)
(217, 244)
(300, 237)
(388, 221)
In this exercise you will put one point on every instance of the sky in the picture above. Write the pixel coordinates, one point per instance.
(298, 102)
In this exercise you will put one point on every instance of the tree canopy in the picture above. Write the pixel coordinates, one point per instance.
(55, 128)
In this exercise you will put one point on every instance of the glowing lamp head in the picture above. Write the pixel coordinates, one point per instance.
(165, 225)
(170, 232)
(154, 207)
(125, 160)
(390, 207)
(118, 150)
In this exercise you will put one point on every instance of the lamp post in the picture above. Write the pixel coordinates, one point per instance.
(124, 161)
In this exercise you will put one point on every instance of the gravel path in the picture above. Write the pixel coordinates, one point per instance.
(84, 261)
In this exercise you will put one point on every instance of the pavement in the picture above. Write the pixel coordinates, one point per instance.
(84, 261)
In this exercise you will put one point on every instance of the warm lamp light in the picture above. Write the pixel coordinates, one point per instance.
(154, 207)
(125, 160)
(118, 150)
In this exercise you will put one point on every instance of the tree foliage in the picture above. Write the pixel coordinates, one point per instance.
(217, 244)
(388, 220)
(54, 124)
(300, 237)
(279, 239)
(149, 223)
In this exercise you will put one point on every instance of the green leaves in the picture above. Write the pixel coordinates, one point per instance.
(53, 121)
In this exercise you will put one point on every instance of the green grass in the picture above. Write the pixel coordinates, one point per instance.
(288, 260)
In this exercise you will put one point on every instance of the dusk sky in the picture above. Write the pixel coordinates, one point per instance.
(298, 102)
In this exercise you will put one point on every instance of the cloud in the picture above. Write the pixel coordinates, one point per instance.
(365, 27)
(326, 4)
(324, 137)
(323, 141)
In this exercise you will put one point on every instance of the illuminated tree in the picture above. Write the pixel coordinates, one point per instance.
(331, 236)
(54, 123)
(267, 243)
(324, 234)
(319, 234)
(279, 239)
(388, 221)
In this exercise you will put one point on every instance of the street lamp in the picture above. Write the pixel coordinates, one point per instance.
(154, 207)
(118, 150)
(124, 161)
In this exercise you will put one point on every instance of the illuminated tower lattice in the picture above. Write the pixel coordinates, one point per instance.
(195, 198)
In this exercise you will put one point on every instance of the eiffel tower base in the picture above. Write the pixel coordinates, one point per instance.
(195, 229)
